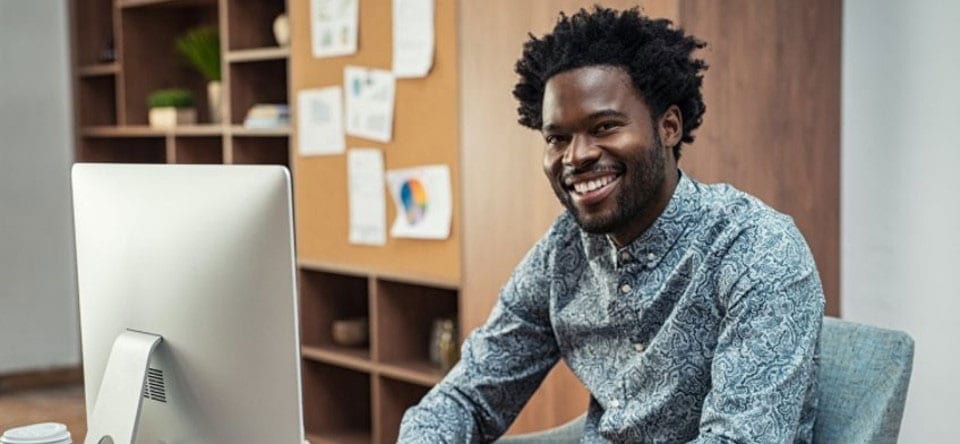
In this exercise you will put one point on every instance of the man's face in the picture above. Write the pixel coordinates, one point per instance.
(603, 156)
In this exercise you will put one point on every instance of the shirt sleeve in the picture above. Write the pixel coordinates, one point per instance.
(764, 366)
(502, 363)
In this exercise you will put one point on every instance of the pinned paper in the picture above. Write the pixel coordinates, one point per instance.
(320, 121)
(369, 97)
(333, 27)
(413, 37)
(368, 203)
(423, 201)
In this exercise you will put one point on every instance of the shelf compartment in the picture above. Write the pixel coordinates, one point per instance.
(336, 403)
(325, 297)
(354, 358)
(395, 397)
(261, 150)
(98, 69)
(97, 101)
(405, 315)
(93, 31)
(125, 150)
(198, 150)
(251, 83)
(250, 23)
(150, 60)
(257, 54)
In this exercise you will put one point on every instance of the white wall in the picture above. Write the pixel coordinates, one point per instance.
(38, 309)
(901, 193)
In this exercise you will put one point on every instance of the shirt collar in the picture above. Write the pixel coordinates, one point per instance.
(650, 248)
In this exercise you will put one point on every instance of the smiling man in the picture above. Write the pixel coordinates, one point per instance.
(691, 312)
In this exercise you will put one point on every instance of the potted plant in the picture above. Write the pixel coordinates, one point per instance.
(171, 107)
(200, 47)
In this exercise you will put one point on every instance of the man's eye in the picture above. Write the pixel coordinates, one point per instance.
(604, 127)
(554, 139)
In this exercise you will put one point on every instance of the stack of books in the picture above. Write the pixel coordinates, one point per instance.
(268, 115)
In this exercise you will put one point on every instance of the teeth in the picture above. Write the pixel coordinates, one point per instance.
(590, 185)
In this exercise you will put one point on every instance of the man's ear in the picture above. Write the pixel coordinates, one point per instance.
(670, 126)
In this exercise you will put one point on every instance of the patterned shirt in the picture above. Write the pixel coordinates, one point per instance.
(704, 329)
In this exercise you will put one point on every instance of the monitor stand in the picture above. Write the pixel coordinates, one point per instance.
(115, 415)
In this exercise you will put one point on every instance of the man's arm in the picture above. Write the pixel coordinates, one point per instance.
(764, 365)
(502, 363)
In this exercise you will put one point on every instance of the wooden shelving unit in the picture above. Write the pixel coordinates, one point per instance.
(391, 373)
(124, 49)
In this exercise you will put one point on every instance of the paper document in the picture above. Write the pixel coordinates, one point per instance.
(413, 38)
(333, 27)
(368, 203)
(423, 201)
(369, 102)
(320, 121)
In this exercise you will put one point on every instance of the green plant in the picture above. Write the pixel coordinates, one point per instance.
(175, 97)
(200, 47)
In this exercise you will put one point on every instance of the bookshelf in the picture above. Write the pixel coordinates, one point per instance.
(124, 49)
(359, 394)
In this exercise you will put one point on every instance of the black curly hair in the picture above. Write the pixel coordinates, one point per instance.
(657, 56)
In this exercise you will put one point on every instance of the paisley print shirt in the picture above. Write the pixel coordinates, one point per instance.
(704, 330)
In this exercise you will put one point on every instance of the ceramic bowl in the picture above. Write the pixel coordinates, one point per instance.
(352, 332)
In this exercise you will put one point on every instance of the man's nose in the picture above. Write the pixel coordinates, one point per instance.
(580, 152)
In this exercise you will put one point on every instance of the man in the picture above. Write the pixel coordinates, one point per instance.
(690, 312)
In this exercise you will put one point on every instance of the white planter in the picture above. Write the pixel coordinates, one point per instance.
(169, 117)
(215, 100)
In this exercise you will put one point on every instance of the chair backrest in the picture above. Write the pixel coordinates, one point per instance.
(863, 378)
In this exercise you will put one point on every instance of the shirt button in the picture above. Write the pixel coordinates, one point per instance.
(624, 256)
(615, 404)
(625, 288)
(638, 346)
(651, 257)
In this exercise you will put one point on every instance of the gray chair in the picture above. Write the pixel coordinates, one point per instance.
(863, 379)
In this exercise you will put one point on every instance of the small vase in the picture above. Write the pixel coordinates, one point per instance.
(281, 30)
(215, 101)
(447, 349)
(449, 352)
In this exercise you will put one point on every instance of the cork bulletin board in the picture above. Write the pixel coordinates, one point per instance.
(425, 132)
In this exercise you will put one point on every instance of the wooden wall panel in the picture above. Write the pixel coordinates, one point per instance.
(507, 202)
(772, 126)
(426, 131)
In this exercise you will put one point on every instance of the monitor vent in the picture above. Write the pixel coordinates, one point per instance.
(153, 387)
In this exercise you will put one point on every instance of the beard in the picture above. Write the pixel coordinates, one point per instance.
(640, 184)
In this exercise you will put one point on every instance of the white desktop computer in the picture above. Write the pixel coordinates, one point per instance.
(188, 304)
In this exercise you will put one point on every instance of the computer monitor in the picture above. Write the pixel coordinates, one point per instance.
(192, 267)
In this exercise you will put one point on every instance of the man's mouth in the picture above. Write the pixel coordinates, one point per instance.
(591, 189)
